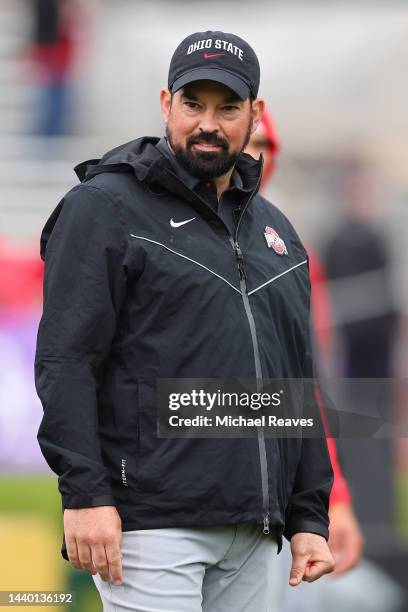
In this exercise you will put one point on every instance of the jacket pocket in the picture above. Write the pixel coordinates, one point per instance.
(154, 453)
(188, 474)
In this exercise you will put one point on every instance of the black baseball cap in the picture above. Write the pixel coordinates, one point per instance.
(215, 56)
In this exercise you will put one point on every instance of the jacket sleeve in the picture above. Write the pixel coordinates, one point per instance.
(308, 505)
(322, 322)
(340, 493)
(84, 289)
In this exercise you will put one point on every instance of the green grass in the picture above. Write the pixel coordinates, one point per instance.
(38, 495)
(402, 504)
(32, 494)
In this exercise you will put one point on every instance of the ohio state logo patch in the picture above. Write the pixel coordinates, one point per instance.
(274, 241)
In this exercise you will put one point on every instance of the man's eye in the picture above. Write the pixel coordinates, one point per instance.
(192, 104)
(230, 109)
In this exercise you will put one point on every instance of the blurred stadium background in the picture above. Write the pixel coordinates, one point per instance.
(78, 77)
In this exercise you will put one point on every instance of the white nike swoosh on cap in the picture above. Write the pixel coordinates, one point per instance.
(178, 223)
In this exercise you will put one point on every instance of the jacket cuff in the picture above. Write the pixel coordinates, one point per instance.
(86, 501)
(301, 525)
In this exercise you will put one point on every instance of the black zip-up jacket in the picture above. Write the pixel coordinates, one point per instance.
(130, 299)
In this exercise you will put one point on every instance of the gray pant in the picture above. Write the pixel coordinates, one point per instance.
(196, 569)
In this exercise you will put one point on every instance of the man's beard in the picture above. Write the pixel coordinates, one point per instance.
(206, 164)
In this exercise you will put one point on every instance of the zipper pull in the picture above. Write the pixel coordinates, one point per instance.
(238, 250)
(240, 259)
(266, 524)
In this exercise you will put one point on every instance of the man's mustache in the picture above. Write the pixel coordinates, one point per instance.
(208, 138)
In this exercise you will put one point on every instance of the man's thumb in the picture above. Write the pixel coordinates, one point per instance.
(297, 570)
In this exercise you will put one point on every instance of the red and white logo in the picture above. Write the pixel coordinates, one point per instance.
(210, 55)
(274, 241)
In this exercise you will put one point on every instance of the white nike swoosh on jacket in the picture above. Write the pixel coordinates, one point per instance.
(178, 223)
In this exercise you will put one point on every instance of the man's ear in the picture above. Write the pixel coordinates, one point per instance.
(165, 103)
(258, 109)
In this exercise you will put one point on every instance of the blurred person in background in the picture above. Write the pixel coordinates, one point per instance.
(358, 262)
(55, 25)
(142, 263)
(367, 586)
(21, 275)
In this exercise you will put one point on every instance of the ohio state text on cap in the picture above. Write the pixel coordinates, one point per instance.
(216, 56)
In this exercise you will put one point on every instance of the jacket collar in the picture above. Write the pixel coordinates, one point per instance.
(149, 158)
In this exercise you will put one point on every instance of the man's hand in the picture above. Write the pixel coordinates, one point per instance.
(346, 539)
(93, 537)
(311, 558)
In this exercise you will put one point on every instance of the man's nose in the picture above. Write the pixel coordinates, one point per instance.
(209, 122)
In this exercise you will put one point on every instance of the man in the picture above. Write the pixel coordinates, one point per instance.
(164, 263)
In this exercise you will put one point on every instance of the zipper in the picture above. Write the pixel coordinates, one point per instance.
(257, 359)
(259, 383)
